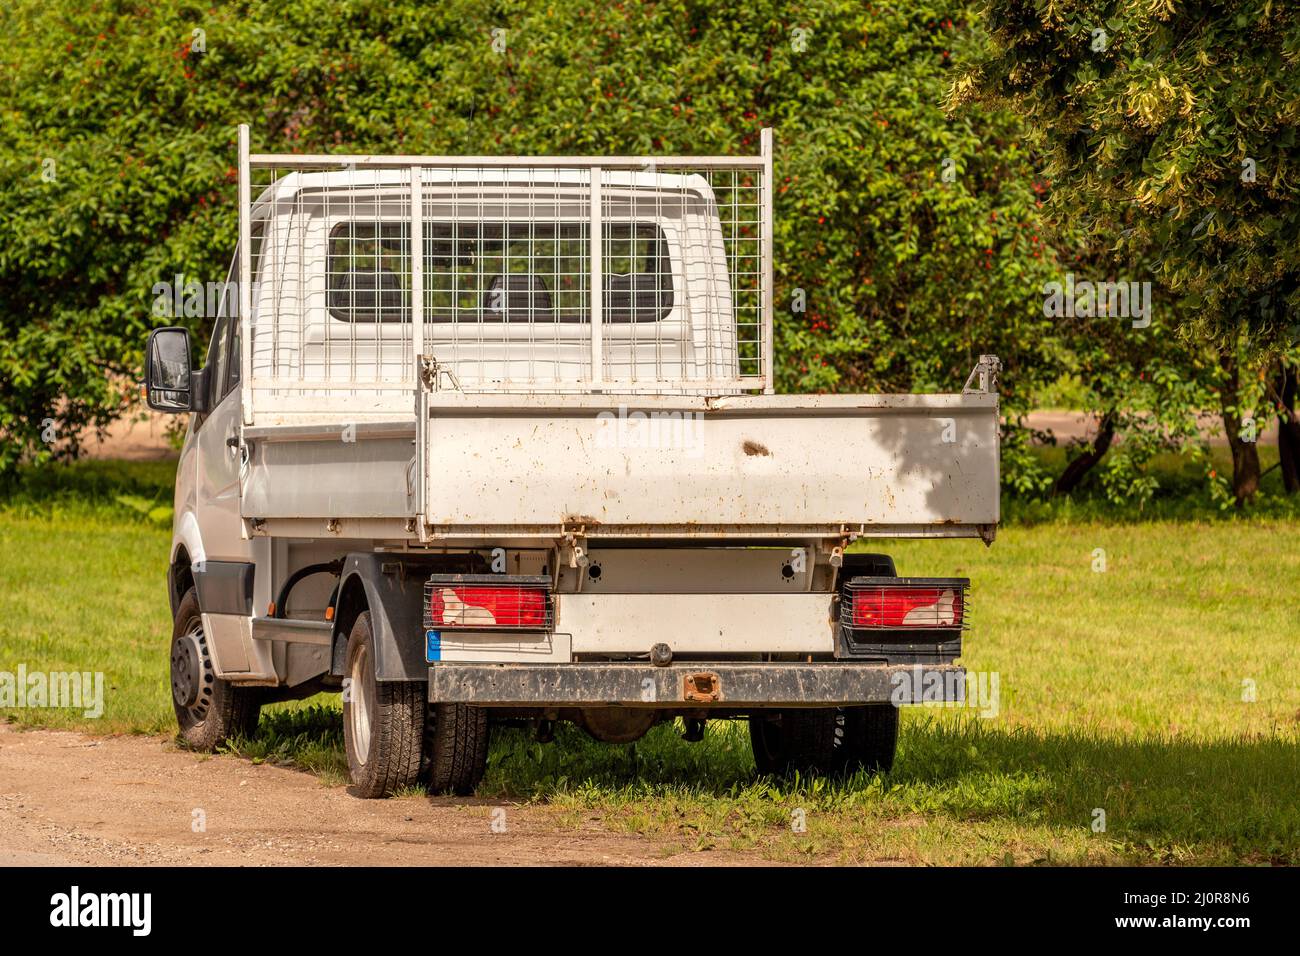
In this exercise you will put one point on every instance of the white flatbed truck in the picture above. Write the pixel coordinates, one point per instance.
(537, 472)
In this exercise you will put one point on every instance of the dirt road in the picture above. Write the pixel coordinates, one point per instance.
(75, 800)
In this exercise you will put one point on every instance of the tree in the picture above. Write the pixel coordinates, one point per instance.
(1286, 385)
(1144, 388)
(1171, 132)
(1143, 383)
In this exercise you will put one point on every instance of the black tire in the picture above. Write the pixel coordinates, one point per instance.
(455, 748)
(867, 737)
(786, 741)
(383, 721)
(209, 711)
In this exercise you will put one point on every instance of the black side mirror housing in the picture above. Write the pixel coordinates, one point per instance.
(199, 392)
(169, 379)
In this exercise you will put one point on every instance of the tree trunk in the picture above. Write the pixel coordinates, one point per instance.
(1077, 469)
(1288, 430)
(1245, 455)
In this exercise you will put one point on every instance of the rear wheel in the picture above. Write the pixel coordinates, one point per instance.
(786, 741)
(209, 711)
(455, 748)
(868, 737)
(383, 721)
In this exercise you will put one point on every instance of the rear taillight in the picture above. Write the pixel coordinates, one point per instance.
(487, 602)
(904, 603)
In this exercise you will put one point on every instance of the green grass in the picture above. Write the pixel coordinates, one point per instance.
(82, 588)
(1120, 690)
(309, 736)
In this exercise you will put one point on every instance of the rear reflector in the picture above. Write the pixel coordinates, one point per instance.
(904, 603)
(487, 602)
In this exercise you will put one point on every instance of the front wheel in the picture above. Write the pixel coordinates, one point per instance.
(209, 711)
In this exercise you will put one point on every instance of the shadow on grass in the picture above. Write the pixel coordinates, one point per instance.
(1162, 796)
(88, 481)
(1165, 799)
(307, 738)
(114, 491)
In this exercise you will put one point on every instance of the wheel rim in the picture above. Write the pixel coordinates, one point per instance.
(361, 705)
(191, 673)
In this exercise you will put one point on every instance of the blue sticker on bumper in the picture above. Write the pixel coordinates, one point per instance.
(432, 646)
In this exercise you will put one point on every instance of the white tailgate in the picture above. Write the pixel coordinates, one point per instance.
(898, 464)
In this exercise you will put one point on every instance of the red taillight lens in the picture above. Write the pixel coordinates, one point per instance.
(906, 606)
(486, 607)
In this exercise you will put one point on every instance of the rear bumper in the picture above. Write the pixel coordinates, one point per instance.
(726, 686)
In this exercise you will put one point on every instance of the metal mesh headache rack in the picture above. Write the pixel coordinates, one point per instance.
(560, 274)
(513, 315)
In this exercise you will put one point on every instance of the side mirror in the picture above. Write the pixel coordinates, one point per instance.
(168, 378)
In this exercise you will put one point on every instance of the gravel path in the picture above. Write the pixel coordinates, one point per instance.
(131, 800)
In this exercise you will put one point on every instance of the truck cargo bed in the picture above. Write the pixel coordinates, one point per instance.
(661, 466)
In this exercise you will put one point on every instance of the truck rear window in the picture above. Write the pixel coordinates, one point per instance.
(497, 272)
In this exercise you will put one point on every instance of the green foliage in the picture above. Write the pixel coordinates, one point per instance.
(1153, 385)
(1171, 132)
(907, 277)
(1022, 471)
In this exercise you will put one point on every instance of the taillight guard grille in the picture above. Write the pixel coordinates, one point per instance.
(905, 604)
(488, 602)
